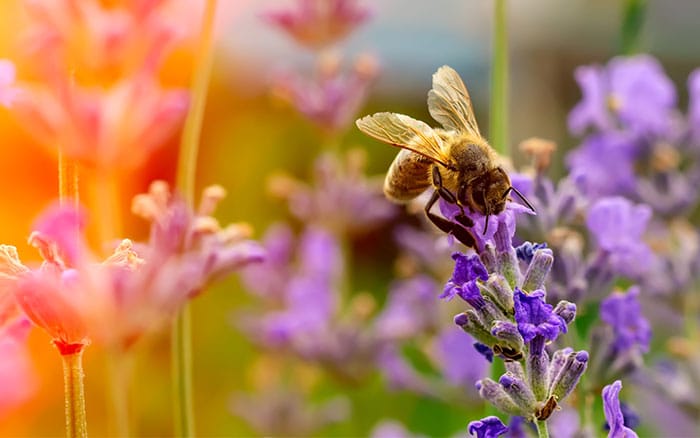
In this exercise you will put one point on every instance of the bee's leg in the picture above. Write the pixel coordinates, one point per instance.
(461, 233)
(448, 196)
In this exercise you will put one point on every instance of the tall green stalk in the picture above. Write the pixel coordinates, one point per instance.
(498, 120)
(633, 16)
(186, 173)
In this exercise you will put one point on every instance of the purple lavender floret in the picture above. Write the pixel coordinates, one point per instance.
(526, 251)
(623, 312)
(484, 350)
(613, 413)
(502, 223)
(535, 317)
(468, 269)
(489, 427)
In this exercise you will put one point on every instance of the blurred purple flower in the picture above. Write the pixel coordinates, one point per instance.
(617, 226)
(269, 278)
(318, 23)
(694, 102)
(623, 312)
(278, 411)
(307, 295)
(488, 427)
(400, 374)
(391, 429)
(613, 413)
(632, 90)
(536, 318)
(331, 98)
(565, 423)
(613, 175)
(461, 364)
(411, 309)
(342, 198)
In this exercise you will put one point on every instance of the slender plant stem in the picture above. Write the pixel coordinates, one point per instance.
(76, 420)
(182, 373)
(498, 119)
(189, 143)
(542, 431)
(186, 174)
(119, 364)
(105, 198)
(633, 16)
(67, 179)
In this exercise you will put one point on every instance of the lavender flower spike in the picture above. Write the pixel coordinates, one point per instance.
(613, 413)
(488, 427)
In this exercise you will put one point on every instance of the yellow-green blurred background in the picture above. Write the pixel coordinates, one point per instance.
(247, 136)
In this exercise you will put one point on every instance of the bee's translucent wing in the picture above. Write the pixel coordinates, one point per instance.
(449, 102)
(404, 132)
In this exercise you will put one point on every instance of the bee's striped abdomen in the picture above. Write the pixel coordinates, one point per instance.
(408, 176)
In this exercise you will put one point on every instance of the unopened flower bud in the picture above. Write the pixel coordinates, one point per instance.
(569, 375)
(519, 391)
(495, 394)
(538, 269)
(566, 310)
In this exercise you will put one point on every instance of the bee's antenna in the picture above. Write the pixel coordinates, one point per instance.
(521, 196)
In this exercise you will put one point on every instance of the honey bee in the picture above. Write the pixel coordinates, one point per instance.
(455, 159)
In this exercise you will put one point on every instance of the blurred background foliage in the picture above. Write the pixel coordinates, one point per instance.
(248, 135)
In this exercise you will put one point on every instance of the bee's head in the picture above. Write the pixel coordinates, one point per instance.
(486, 193)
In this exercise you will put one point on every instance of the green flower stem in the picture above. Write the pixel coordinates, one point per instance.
(542, 431)
(76, 420)
(182, 373)
(186, 174)
(498, 119)
(189, 143)
(633, 16)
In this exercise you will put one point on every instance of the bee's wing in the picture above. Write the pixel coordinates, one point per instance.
(449, 102)
(404, 132)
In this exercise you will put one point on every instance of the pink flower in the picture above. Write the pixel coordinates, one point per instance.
(332, 97)
(17, 378)
(120, 39)
(119, 126)
(75, 296)
(10, 269)
(98, 93)
(319, 23)
(8, 92)
(48, 295)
